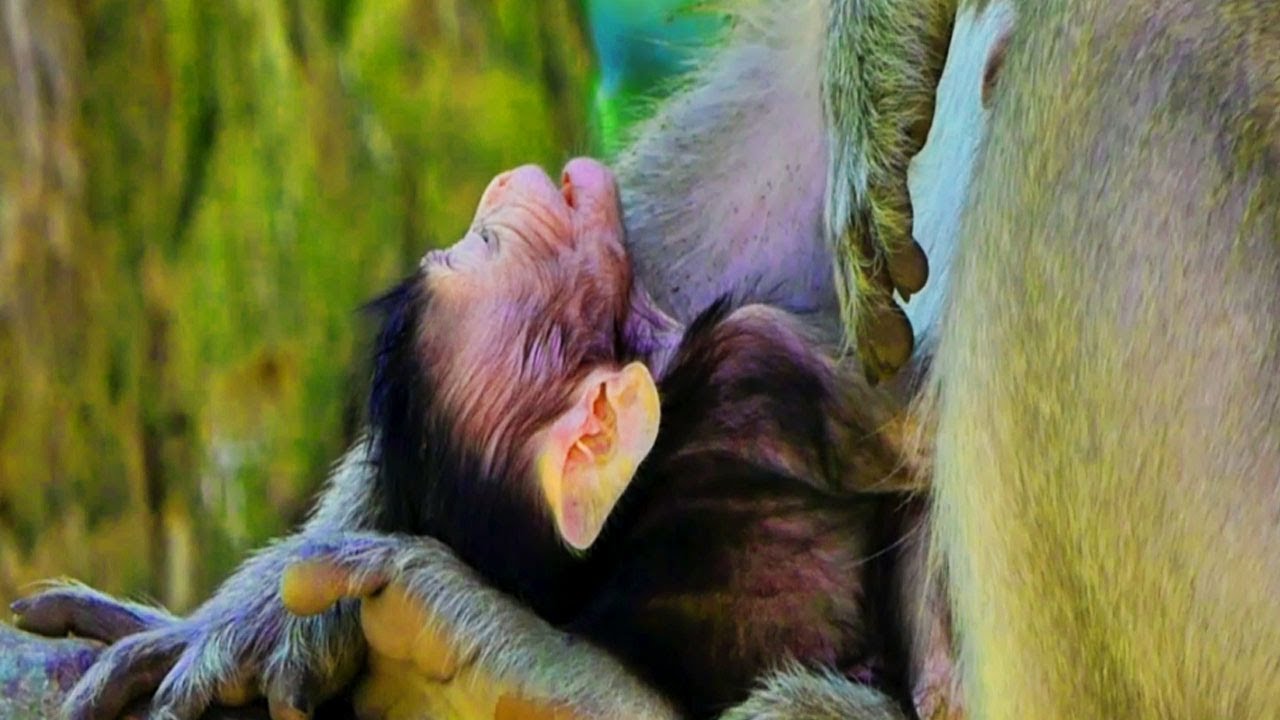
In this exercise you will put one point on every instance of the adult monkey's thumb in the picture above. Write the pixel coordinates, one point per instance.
(309, 587)
(395, 623)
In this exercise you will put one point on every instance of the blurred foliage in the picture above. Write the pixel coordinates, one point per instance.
(195, 199)
(641, 45)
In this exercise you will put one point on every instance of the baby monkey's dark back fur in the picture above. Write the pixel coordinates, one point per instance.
(734, 550)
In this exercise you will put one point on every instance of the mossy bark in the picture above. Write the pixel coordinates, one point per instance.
(195, 199)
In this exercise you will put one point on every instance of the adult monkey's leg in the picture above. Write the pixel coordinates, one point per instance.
(1108, 379)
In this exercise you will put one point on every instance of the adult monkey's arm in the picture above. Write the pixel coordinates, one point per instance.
(786, 144)
(243, 643)
(441, 645)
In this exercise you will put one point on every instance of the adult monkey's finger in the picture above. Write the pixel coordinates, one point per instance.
(79, 610)
(909, 268)
(309, 587)
(292, 695)
(125, 672)
(887, 344)
(398, 625)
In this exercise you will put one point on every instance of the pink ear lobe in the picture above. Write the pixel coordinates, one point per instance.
(588, 456)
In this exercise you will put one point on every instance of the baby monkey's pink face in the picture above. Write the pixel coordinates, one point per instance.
(522, 334)
(529, 236)
(539, 258)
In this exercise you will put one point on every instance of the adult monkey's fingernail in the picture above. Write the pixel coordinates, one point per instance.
(909, 268)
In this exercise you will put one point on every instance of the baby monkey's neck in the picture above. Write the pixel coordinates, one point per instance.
(767, 386)
(651, 334)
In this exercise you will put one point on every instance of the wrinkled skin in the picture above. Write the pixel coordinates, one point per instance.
(528, 239)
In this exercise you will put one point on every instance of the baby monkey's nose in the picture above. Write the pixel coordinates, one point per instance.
(585, 184)
(587, 180)
(585, 204)
(590, 190)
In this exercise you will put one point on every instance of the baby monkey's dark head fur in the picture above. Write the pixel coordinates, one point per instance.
(512, 403)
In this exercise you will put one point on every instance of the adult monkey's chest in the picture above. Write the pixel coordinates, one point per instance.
(939, 176)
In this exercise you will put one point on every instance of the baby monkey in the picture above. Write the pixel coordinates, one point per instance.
(685, 498)
(675, 495)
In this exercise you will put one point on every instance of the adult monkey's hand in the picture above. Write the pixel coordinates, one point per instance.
(882, 64)
(37, 672)
(441, 644)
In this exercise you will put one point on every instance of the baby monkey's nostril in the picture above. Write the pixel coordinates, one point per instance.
(566, 187)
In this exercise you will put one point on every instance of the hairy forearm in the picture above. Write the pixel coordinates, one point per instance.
(470, 644)
(722, 189)
(248, 608)
(349, 500)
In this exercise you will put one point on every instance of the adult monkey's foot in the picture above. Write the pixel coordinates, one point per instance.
(883, 62)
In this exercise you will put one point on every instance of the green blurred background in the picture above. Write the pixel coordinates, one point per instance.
(195, 199)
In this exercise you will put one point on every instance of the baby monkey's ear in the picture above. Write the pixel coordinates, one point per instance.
(587, 456)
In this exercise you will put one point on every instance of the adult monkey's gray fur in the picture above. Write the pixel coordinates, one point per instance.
(791, 142)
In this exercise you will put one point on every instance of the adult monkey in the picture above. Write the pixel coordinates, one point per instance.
(1104, 390)
(1134, 138)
